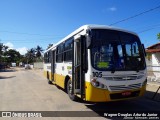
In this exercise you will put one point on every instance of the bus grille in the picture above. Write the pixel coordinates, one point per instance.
(124, 78)
(123, 87)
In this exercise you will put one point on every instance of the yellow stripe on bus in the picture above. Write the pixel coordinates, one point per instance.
(92, 93)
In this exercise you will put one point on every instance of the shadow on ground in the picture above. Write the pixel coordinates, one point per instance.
(1, 77)
(148, 103)
(153, 95)
(7, 70)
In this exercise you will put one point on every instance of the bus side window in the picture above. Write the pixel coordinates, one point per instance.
(59, 53)
(68, 50)
(47, 57)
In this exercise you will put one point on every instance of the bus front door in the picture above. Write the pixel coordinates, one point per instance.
(78, 74)
(53, 64)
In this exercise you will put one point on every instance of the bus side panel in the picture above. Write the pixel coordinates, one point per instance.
(60, 80)
(45, 73)
(48, 75)
(47, 70)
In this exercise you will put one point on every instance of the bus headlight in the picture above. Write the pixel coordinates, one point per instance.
(102, 86)
(97, 84)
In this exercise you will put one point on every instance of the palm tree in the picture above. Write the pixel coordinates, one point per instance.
(50, 45)
(30, 55)
(38, 51)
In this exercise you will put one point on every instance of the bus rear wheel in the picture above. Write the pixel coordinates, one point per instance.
(69, 91)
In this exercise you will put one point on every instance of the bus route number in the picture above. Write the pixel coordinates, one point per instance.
(97, 74)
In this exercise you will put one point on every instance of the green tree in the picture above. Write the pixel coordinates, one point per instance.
(50, 45)
(158, 36)
(30, 55)
(23, 59)
(1, 52)
(3, 49)
(11, 56)
(38, 51)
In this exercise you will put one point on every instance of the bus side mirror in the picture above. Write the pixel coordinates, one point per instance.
(88, 39)
(144, 50)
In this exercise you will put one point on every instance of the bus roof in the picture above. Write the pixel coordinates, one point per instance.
(91, 26)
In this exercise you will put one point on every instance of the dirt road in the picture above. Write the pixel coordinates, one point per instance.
(27, 90)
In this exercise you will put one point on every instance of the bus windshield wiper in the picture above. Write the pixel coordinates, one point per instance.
(113, 69)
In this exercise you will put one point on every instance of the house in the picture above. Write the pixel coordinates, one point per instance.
(153, 59)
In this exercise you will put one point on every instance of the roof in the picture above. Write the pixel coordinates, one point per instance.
(153, 48)
(92, 26)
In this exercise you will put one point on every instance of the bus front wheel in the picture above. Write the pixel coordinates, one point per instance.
(69, 91)
(50, 82)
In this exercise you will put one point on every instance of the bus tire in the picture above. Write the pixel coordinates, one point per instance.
(49, 82)
(66, 82)
(69, 91)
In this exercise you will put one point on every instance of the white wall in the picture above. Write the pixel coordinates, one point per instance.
(38, 65)
(156, 64)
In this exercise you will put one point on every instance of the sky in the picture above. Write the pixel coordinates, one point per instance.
(24, 24)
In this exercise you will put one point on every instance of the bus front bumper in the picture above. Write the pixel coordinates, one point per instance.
(94, 94)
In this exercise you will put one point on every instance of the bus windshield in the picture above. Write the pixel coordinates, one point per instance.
(116, 50)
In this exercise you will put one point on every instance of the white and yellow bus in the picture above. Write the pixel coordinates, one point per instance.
(98, 63)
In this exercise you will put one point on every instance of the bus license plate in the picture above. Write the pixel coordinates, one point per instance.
(127, 93)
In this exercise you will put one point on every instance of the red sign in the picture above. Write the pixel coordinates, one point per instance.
(127, 93)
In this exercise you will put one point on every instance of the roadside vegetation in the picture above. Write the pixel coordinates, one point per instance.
(9, 56)
(158, 36)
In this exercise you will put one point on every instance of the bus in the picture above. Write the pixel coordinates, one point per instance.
(98, 63)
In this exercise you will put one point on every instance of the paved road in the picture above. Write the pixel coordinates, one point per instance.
(27, 90)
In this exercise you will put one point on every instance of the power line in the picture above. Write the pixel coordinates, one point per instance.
(27, 33)
(31, 40)
(123, 20)
(136, 15)
(27, 42)
(149, 29)
(148, 26)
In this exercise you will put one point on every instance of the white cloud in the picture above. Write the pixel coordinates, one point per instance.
(109, 9)
(9, 44)
(22, 50)
(112, 9)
